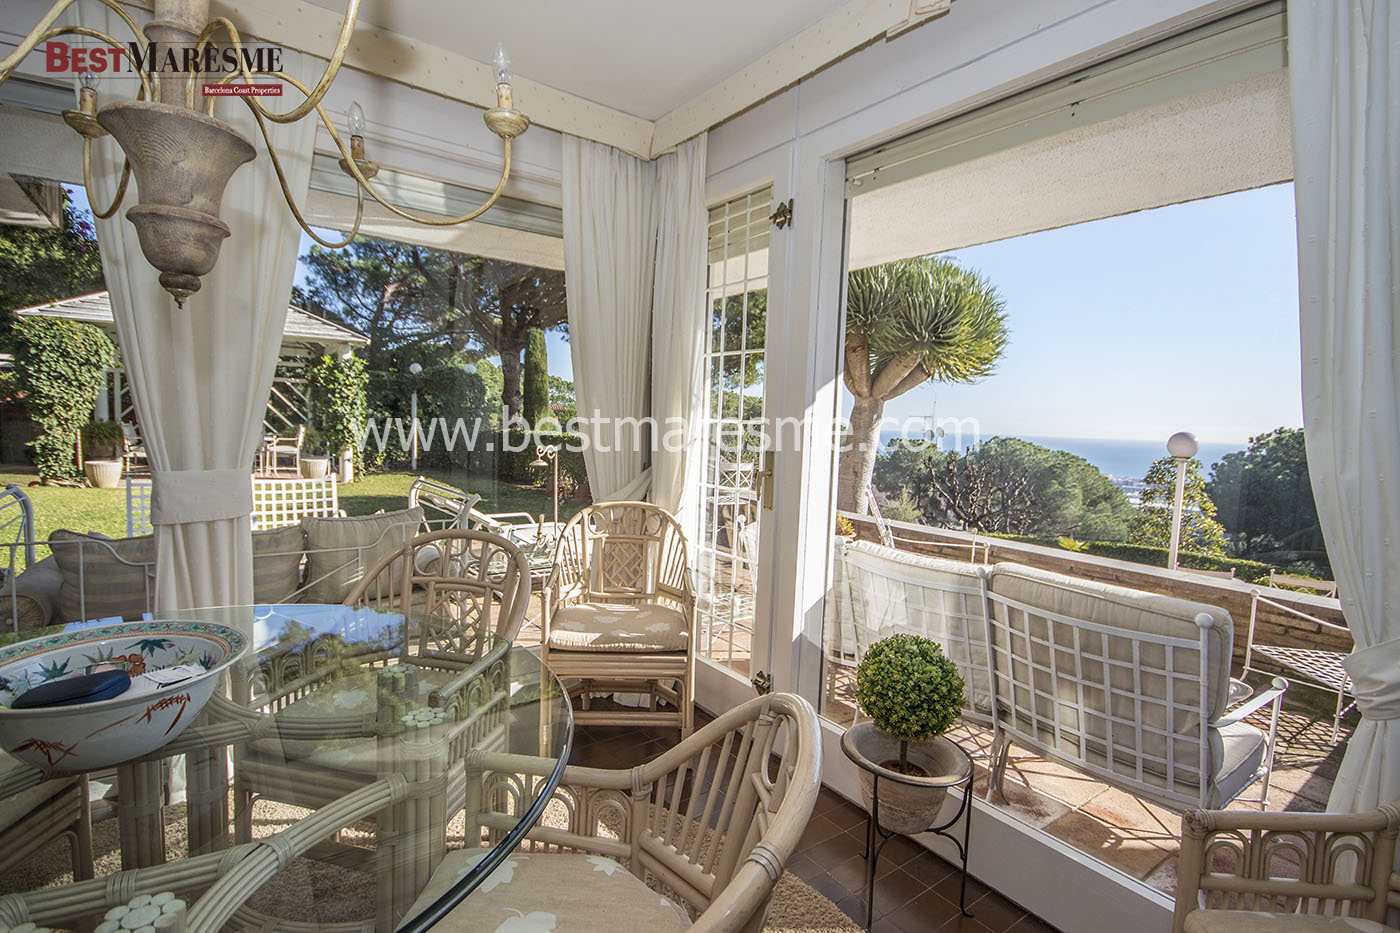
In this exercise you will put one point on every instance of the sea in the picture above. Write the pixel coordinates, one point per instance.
(1126, 462)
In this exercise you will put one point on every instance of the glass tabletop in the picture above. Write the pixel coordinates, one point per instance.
(357, 744)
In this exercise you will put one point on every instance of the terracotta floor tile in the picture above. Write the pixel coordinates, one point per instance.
(1028, 804)
(1113, 845)
(1120, 808)
(997, 912)
(851, 874)
(819, 829)
(832, 852)
(898, 888)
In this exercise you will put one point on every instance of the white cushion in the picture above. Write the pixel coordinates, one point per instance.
(1249, 921)
(646, 627)
(532, 892)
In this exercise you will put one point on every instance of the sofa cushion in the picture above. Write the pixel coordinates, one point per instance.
(277, 554)
(32, 596)
(339, 550)
(103, 577)
(1237, 752)
(1250, 921)
(550, 891)
(618, 627)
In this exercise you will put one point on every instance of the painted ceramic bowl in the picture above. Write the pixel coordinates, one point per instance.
(85, 736)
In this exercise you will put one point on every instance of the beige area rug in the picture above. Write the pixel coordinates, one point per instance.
(310, 890)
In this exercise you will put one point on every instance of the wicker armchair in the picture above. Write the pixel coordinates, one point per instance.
(1287, 871)
(702, 831)
(463, 596)
(620, 613)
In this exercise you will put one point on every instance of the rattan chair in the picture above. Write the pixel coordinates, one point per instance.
(707, 825)
(620, 614)
(1287, 872)
(462, 595)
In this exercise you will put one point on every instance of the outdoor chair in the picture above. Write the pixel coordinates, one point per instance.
(278, 447)
(1320, 668)
(1286, 872)
(1131, 687)
(701, 831)
(620, 614)
(1284, 581)
(132, 447)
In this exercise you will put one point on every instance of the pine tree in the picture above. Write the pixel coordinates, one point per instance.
(1152, 525)
(536, 378)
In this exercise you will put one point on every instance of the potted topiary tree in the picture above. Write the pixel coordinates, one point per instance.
(912, 693)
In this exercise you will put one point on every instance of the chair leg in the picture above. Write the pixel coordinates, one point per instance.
(686, 693)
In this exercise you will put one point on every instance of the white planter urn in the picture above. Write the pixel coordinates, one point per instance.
(909, 803)
(315, 467)
(104, 474)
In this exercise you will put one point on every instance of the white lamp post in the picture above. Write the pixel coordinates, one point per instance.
(1182, 446)
(414, 369)
(546, 454)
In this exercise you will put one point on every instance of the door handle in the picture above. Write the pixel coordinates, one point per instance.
(765, 480)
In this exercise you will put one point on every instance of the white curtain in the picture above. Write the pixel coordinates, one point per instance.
(634, 265)
(1344, 60)
(200, 375)
(609, 267)
(679, 326)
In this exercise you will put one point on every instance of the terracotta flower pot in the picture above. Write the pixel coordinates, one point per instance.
(909, 804)
(104, 474)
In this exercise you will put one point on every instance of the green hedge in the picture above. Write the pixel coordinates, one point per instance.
(59, 366)
(1250, 571)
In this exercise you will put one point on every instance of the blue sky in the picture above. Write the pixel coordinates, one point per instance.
(1135, 327)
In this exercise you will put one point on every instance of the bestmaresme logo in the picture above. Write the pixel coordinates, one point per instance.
(211, 62)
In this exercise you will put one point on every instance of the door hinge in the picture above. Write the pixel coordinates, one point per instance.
(782, 217)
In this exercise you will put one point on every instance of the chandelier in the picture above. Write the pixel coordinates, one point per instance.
(183, 156)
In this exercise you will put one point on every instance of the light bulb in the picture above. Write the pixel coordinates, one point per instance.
(502, 64)
(87, 80)
(356, 119)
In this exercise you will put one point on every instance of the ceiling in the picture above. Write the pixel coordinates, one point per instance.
(642, 57)
(1227, 139)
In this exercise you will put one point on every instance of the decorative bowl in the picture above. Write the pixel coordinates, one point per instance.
(85, 736)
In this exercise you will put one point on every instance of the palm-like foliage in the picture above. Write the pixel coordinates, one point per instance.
(906, 322)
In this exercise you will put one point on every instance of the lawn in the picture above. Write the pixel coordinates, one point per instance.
(104, 510)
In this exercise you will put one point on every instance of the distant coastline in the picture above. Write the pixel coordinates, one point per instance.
(1119, 459)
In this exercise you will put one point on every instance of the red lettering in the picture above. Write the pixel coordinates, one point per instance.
(55, 56)
(97, 60)
(80, 59)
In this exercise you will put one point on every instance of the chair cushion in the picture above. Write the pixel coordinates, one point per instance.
(339, 550)
(1249, 921)
(1237, 751)
(644, 627)
(117, 576)
(277, 554)
(532, 892)
(35, 593)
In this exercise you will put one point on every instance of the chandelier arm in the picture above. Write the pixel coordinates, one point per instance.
(291, 200)
(313, 97)
(429, 220)
(87, 182)
(74, 31)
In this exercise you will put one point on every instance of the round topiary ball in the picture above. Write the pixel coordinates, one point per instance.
(909, 687)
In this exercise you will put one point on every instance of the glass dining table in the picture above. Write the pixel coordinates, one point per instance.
(321, 785)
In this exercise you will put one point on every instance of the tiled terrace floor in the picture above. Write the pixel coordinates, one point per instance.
(915, 890)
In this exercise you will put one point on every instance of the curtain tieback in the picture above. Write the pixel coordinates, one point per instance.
(1375, 676)
(182, 496)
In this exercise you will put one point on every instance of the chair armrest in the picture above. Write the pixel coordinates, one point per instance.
(1257, 702)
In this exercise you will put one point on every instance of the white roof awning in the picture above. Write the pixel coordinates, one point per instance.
(303, 330)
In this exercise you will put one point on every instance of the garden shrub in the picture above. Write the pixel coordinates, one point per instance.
(337, 387)
(60, 367)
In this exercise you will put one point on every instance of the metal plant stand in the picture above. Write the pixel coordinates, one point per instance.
(874, 831)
